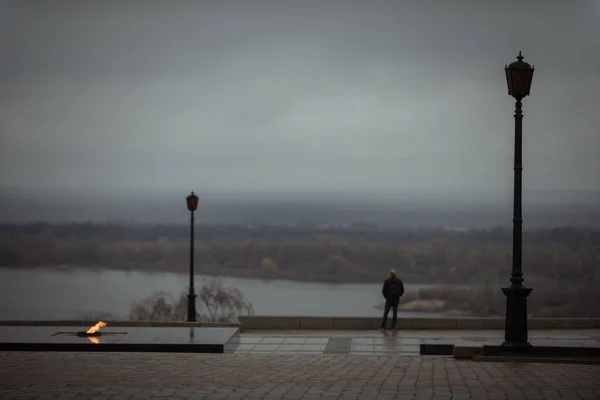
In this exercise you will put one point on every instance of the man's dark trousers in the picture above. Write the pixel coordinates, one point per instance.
(393, 305)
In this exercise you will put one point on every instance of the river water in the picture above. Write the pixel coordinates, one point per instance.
(46, 294)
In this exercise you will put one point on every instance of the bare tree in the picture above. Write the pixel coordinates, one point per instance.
(219, 303)
(160, 306)
(222, 303)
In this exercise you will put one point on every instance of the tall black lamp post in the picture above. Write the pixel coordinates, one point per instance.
(519, 75)
(192, 204)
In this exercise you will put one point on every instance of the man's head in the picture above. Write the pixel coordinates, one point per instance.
(393, 273)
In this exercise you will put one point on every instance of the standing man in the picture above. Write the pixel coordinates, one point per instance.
(393, 289)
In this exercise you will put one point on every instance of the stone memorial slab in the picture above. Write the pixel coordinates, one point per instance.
(130, 339)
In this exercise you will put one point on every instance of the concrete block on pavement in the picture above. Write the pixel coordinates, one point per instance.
(467, 350)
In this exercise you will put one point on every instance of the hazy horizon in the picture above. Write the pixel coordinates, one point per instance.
(380, 100)
(413, 210)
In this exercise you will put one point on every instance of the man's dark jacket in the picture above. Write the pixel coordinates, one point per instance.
(387, 284)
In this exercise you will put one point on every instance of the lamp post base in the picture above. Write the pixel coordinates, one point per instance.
(515, 330)
(191, 307)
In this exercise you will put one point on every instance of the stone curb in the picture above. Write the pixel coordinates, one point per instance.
(591, 361)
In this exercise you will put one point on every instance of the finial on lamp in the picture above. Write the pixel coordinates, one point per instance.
(520, 56)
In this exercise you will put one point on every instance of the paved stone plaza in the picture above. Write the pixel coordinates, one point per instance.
(403, 343)
(271, 376)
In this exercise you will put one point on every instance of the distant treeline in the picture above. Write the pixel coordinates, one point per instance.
(350, 255)
(357, 231)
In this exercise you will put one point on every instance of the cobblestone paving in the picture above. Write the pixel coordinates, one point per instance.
(269, 376)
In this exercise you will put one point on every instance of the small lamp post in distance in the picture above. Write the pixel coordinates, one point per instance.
(192, 205)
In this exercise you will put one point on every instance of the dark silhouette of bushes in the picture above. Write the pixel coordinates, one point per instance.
(214, 302)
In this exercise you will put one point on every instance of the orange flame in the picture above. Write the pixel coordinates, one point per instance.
(96, 327)
(94, 340)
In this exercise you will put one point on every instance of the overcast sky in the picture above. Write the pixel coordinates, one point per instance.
(312, 96)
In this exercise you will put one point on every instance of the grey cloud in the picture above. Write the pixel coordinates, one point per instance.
(377, 96)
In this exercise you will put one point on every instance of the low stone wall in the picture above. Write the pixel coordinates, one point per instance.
(257, 322)
(140, 324)
(363, 323)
